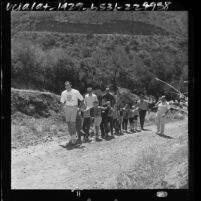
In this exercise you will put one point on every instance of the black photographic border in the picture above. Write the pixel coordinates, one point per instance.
(118, 195)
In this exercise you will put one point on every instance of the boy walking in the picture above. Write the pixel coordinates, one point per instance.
(86, 122)
(116, 120)
(125, 118)
(96, 111)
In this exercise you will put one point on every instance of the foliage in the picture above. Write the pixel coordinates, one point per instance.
(44, 61)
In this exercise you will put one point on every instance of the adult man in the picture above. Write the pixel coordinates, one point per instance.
(143, 107)
(162, 111)
(90, 98)
(107, 119)
(69, 100)
(108, 97)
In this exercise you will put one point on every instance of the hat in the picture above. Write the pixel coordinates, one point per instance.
(162, 97)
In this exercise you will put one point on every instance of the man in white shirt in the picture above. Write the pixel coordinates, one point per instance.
(163, 108)
(90, 98)
(69, 100)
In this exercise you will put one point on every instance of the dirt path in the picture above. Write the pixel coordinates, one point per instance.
(93, 165)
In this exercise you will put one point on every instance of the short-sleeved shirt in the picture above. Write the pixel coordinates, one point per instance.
(89, 100)
(163, 108)
(135, 112)
(96, 111)
(125, 113)
(107, 111)
(143, 105)
(70, 98)
(116, 114)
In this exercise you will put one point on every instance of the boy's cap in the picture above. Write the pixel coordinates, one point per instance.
(162, 97)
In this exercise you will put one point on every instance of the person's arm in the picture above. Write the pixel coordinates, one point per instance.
(80, 97)
(62, 100)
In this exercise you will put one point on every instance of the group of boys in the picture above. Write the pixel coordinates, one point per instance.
(107, 118)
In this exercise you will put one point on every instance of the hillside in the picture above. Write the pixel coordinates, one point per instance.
(99, 49)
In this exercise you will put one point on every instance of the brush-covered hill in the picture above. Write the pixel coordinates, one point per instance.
(48, 48)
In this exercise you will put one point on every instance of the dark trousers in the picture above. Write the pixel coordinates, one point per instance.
(142, 114)
(105, 128)
(116, 125)
(125, 124)
(86, 125)
(110, 121)
(79, 127)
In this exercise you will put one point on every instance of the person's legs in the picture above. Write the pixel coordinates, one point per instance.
(105, 124)
(110, 120)
(162, 125)
(84, 125)
(126, 124)
(78, 128)
(97, 122)
(102, 129)
(131, 124)
(158, 123)
(68, 118)
(142, 118)
(115, 125)
(72, 123)
(69, 130)
(135, 125)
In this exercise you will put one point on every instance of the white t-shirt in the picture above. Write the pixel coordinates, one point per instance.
(162, 108)
(70, 98)
(90, 99)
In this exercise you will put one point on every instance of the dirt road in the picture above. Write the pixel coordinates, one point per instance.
(93, 165)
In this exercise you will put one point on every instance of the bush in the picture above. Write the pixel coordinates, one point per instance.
(98, 61)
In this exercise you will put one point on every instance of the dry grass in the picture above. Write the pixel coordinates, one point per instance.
(27, 131)
(157, 167)
(172, 116)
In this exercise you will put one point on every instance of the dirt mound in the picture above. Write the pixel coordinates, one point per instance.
(34, 103)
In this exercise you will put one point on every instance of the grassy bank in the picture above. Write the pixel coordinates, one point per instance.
(161, 167)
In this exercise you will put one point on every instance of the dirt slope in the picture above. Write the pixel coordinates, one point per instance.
(94, 165)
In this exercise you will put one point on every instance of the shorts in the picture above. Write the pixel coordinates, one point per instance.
(135, 117)
(131, 120)
(97, 121)
(70, 113)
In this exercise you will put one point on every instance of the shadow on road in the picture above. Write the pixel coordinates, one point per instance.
(70, 147)
(108, 138)
(146, 129)
(165, 136)
(119, 134)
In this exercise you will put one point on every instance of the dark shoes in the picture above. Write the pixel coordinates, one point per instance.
(86, 139)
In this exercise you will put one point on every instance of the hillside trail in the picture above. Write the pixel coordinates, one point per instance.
(93, 165)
